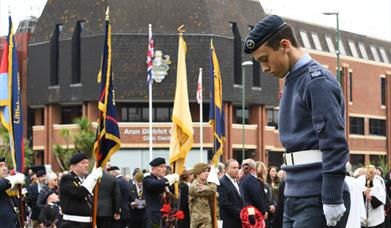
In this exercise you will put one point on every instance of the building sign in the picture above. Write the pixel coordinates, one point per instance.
(160, 66)
(158, 134)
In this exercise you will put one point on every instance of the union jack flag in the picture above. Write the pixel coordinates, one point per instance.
(150, 56)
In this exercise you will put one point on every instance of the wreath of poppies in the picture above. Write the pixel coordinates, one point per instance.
(258, 218)
(170, 214)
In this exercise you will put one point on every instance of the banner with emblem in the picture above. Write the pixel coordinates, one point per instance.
(11, 114)
(107, 132)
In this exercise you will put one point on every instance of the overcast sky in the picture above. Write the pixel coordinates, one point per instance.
(371, 18)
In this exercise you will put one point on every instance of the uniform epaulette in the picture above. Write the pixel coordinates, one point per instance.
(315, 71)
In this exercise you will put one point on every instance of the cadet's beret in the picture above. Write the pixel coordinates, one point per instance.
(41, 173)
(199, 168)
(111, 168)
(139, 176)
(262, 31)
(2, 159)
(157, 161)
(77, 158)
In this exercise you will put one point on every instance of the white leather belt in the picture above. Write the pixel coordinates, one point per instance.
(302, 157)
(76, 218)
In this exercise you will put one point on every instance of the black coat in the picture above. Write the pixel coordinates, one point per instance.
(32, 198)
(124, 189)
(230, 202)
(74, 198)
(254, 193)
(184, 205)
(8, 217)
(153, 190)
(136, 214)
(109, 196)
(278, 216)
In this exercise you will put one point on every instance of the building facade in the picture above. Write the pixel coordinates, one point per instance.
(64, 57)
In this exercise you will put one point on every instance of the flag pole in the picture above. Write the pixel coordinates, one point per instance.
(150, 81)
(201, 118)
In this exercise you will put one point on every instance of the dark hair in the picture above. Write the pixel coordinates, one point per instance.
(228, 163)
(184, 176)
(285, 32)
(275, 179)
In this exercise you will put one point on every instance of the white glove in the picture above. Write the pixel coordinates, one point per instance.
(333, 213)
(18, 178)
(213, 177)
(90, 181)
(172, 178)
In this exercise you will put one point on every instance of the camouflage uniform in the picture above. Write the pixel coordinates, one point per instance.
(201, 203)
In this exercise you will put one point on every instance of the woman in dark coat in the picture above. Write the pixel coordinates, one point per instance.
(184, 181)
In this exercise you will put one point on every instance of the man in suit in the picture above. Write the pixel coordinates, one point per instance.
(32, 197)
(251, 187)
(124, 190)
(9, 218)
(154, 186)
(137, 212)
(230, 196)
(76, 191)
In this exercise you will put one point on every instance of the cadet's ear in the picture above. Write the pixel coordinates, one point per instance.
(286, 44)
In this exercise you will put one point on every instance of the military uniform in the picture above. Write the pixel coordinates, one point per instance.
(8, 217)
(153, 190)
(75, 201)
(201, 203)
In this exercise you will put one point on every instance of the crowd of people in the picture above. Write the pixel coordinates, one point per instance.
(204, 194)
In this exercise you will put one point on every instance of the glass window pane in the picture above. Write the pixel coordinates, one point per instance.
(363, 51)
(341, 48)
(145, 114)
(384, 55)
(315, 38)
(134, 114)
(353, 49)
(330, 44)
(375, 54)
(162, 114)
(304, 38)
(124, 114)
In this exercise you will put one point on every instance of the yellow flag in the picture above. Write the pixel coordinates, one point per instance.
(182, 126)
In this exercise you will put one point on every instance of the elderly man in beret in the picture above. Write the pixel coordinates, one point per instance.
(311, 127)
(154, 186)
(9, 215)
(76, 189)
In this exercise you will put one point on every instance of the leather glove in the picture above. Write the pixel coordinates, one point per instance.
(333, 213)
(213, 177)
(18, 178)
(172, 178)
(90, 181)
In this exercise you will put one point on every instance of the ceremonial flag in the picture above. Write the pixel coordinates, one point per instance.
(11, 114)
(150, 56)
(182, 127)
(107, 134)
(199, 87)
(216, 109)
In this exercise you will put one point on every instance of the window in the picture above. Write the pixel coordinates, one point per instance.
(353, 49)
(374, 53)
(54, 55)
(384, 55)
(350, 86)
(70, 113)
(315, 38)
(256, 74)
(239, 114)
(383, 90)
(363, 50)
(377, 127)
(330, 44)
(272, 117)
(341, 48)
(140, 113)
(76, 58)
(304, 38)
(237, 60)
(356, 125)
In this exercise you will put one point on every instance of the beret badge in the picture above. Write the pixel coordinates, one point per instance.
(250, 44)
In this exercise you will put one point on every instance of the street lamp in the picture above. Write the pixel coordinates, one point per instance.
(244, 64)
(336, 13)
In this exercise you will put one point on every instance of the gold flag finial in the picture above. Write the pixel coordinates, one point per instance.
(181, 29)
(107, 13)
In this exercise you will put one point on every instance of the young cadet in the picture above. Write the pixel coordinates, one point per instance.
(311, 127)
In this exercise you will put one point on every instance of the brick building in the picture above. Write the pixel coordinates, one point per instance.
(64, 57)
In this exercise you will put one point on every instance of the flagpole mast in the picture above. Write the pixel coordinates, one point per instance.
(201, 119)
(150, 101)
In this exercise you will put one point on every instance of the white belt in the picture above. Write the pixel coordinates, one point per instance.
(76, 218)
(302, 157)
